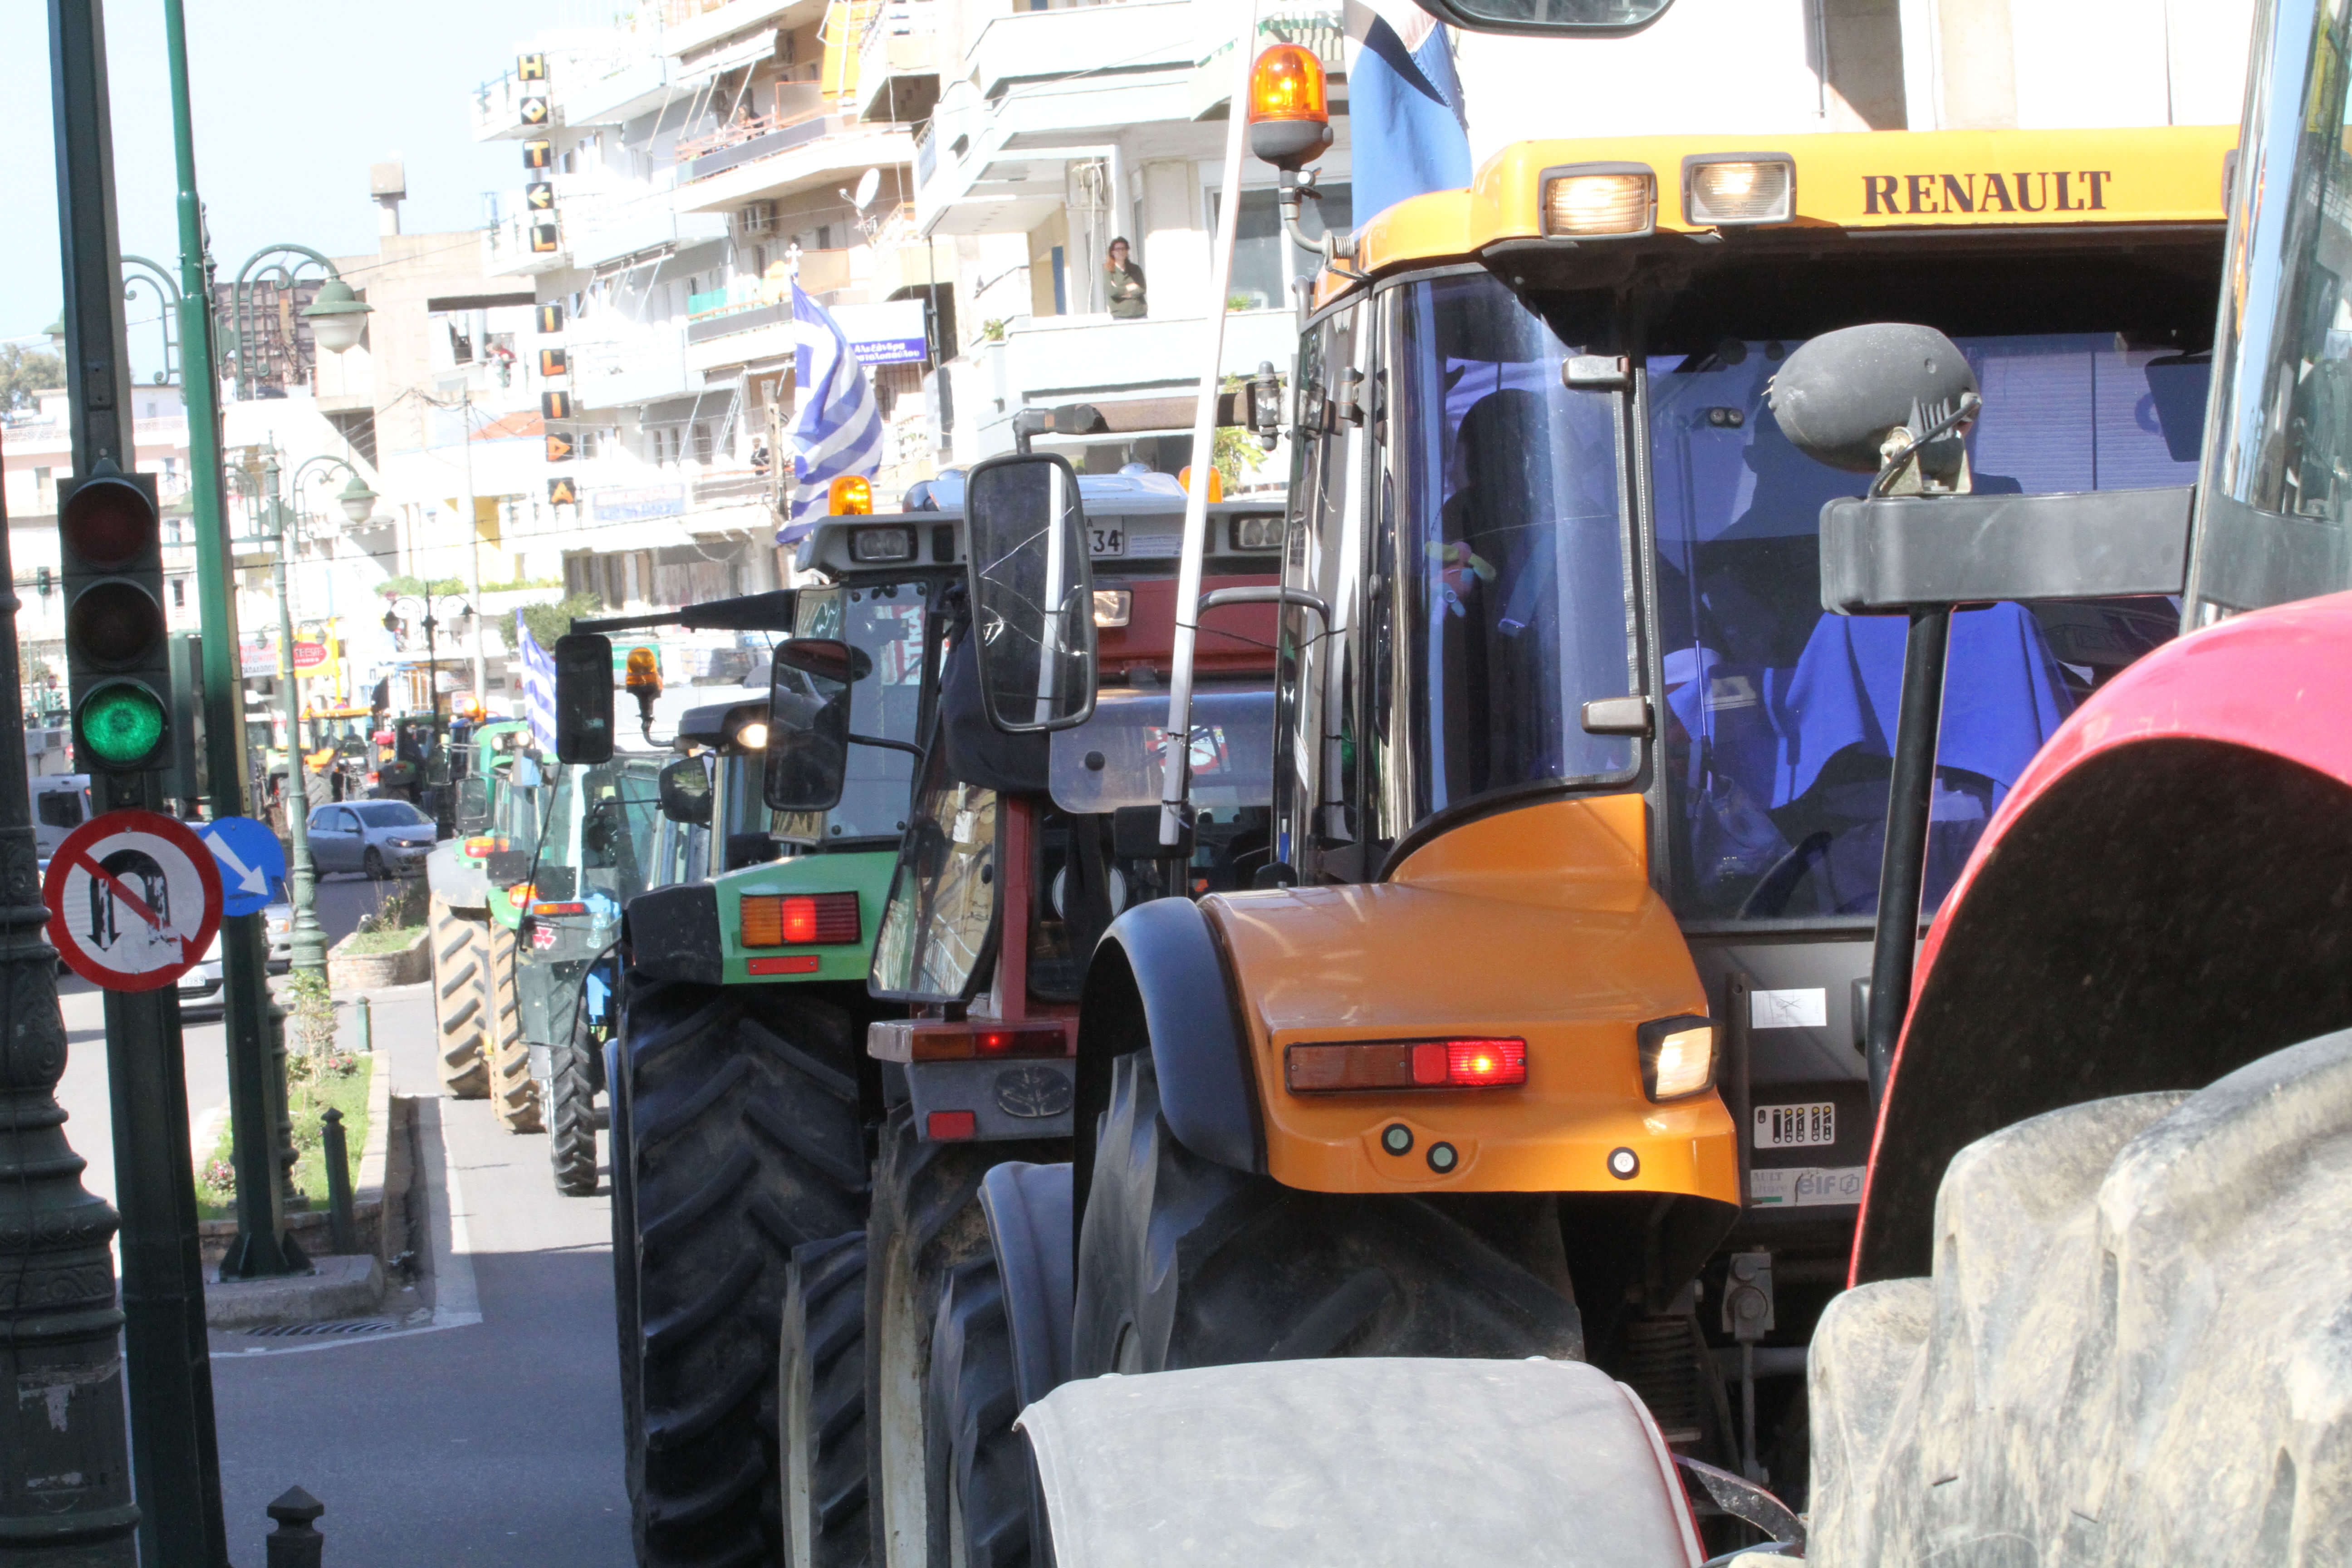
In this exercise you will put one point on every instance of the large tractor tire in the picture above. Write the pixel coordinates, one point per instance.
(744, 1140)
(572, 1113)
(1186, 1263)
(981, 1463)
(625, 1275)
(514, 1093)
(926, 1224)
(820, 1387)
(2132, 1349)
(461, 998)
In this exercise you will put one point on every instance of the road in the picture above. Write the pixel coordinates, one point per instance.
(492, 1442)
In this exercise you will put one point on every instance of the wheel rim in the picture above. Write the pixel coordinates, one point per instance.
(800, 1531)
(901, 1492)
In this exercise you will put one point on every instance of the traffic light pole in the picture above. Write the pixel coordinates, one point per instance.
(256, 1079)
(175, 1465)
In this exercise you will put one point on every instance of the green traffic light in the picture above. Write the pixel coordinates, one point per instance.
(121, 723)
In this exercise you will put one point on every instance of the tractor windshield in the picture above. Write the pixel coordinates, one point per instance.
(886, 624)
(1508, 553)
(597, 849)
(1778, 719)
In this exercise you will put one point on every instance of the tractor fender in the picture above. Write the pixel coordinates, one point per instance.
(1158, 976)
(672, 934)
(1027, 1208)
(2158, 902)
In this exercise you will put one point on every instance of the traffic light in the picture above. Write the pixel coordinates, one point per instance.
(117, 656)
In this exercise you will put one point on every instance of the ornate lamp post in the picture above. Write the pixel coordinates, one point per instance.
(283, 525)
(431, 606)
(336, 314)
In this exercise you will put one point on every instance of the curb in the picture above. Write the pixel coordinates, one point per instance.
(338, 1286)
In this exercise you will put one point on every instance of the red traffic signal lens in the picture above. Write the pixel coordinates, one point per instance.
(109, 522)
(116, 624)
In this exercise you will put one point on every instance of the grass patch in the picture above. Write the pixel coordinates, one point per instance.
(361, 943)
(312, 1085)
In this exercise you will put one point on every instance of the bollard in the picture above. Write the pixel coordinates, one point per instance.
(342, 1231)
(364, 1028)
(294, 1543)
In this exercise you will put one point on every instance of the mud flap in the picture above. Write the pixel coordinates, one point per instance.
(1028, 1212)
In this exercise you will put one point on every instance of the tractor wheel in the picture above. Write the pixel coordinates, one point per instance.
(744, 1141)
(2136, 1301)
(572, 1114)
(461, 965)
(1185, 1263)
(625, 1270)
(981, 1462)
(926, 1223)
(514, 1094)
(821, 1392)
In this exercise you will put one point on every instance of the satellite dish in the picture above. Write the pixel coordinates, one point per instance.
(868, 184)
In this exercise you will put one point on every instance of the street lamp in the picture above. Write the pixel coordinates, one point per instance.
(337, 315)
(282, 528)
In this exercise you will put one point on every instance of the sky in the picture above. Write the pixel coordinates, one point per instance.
(292, 102)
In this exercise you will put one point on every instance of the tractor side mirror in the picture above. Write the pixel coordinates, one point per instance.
(1032, 592)
(473, 807)
(584, 698)
(808, 722)
(684, 786)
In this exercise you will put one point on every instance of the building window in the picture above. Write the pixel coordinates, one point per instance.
(179, 593)
(1264, 259)
(703, 444)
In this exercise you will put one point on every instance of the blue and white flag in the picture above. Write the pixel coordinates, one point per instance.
(1405, 107)
(538, 686)
(840, 429)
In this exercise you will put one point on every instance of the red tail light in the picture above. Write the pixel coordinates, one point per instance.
(961, 1042)
(952, 1126)
(792, 964)
(564, 908)
(822, 920)
(1405, 1064)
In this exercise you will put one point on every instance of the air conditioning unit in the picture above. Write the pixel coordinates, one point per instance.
(757, 218)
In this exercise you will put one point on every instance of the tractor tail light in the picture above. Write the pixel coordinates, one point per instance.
(822, 919)
(952, 1126)
(1475, 1062)
(983, 1037)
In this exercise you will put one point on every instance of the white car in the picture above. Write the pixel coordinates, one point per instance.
(201, 992)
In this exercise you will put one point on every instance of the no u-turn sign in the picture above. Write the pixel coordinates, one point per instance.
(134, 899)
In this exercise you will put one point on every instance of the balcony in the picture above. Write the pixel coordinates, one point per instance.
(1048, 360)
(621, 363)
(898, 62)
(692, 27)
(1037, 47)
(776, 154)
(511, 247)
(615, 92)
(499, 109)
(604, 224)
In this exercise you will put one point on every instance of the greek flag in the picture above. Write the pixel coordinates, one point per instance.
(1404, 106)
(538, 686)
(840, 429)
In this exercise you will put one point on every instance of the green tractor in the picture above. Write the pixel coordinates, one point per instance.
(604, 842)
(500, 795)
(825, 1044)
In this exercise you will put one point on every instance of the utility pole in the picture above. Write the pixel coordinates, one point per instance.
(473, 548)
(175, 1466)
(256, 1080)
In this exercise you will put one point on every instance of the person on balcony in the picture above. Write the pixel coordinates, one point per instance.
(1123, 281)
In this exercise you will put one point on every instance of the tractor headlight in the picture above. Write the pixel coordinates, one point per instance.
(1677, 1057)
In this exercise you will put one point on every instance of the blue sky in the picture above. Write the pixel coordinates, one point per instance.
(293, 103)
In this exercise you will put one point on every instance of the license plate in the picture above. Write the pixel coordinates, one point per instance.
(1108, 541)
(1796, 1126)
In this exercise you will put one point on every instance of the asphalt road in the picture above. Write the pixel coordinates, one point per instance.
(487, 1434)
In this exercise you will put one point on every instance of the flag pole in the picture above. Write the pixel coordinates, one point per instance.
(1174, 780)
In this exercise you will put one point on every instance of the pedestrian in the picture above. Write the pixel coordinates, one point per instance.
(1123, 280)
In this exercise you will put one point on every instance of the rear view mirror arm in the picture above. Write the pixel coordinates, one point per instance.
(908, 747)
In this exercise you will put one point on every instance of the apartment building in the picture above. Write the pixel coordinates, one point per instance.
(675, 172)
(1062, 128)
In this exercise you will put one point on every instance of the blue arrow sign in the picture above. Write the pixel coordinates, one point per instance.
(252, 862)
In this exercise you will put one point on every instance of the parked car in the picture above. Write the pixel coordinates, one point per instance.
(381, 837)
(200, 987)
